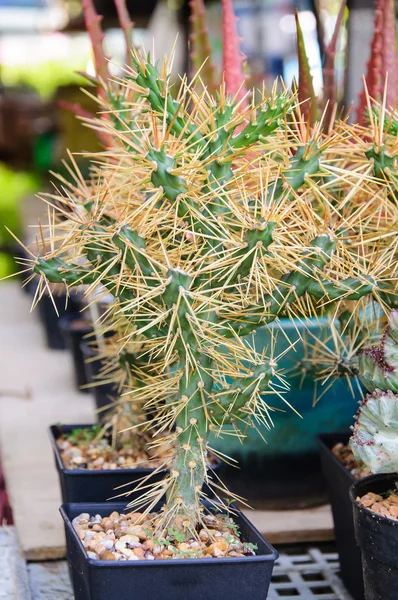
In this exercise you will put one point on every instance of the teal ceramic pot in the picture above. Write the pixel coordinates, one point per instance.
(284, 471)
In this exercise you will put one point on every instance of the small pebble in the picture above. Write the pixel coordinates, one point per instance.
(384, 507)
(107, 555)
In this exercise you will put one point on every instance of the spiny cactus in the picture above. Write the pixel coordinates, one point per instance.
(232, 59)
(106, 89)
(206, 223)
(375, 433)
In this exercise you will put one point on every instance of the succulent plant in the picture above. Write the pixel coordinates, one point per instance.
(206, 221)
(375, 433)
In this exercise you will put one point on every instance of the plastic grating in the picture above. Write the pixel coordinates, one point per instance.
(310, 576)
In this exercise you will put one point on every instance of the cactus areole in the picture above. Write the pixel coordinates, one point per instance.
(205, 223)
(375, 436)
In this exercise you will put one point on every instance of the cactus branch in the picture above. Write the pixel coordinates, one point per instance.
(93, 26)
(127, 27)
(232, 58)
(200, 45)
(382, 61)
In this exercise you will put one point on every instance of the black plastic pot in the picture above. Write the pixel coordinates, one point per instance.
(264, 483)
(82, 485)
(75, 330)
(104, 393)
(377, 538)
(50, 319)
(179, 579)
(339, 480)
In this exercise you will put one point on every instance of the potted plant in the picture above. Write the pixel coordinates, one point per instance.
(54, 305)
(206, 222)
(374, 442)
(343, 465)
(340, 468)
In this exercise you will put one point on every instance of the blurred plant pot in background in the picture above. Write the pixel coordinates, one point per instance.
(339, 480)
(104, 393)
(285, 471)
(75, 330)
(51, 320)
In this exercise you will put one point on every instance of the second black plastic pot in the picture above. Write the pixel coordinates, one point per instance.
(83, 485)
(237, 578)
(75, 330)
(377, 538)
(339, 480)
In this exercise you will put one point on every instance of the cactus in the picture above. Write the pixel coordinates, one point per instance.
(375, 433)
(382, 64)
(205, 223)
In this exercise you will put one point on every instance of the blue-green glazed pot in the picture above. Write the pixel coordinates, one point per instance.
(284, 470)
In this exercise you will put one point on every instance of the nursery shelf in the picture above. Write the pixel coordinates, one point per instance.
(309, 576)
(36, 390)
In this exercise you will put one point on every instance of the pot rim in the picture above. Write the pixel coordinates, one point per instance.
(97, 473)
(84, 472)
